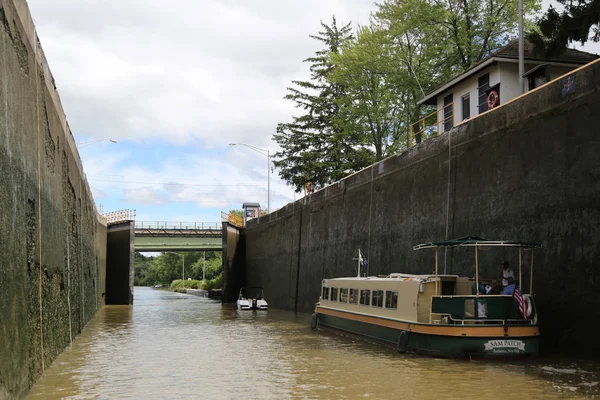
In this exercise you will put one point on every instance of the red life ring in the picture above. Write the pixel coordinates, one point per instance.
(493, 99)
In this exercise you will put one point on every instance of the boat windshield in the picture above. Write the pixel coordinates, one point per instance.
(252, 292)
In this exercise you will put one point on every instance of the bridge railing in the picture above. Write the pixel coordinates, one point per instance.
(176, 225)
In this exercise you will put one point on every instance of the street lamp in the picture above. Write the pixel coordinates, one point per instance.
(264, 153)
(84, 144)
(182, 267)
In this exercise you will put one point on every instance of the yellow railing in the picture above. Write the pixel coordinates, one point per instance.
(430, 125)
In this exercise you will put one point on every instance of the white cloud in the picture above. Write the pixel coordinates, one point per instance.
(213, 71)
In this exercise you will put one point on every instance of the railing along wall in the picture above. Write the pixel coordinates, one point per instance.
(432, 124)
(233, 219)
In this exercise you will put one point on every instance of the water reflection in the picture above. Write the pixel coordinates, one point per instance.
(170, 345)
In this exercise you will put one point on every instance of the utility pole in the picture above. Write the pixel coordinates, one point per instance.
(203, 266)
(521, 48)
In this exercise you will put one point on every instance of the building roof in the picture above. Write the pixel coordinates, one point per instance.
(508, 53)
(250, 205)
(568, 56)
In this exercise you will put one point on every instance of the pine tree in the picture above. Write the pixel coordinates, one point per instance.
(316, 147)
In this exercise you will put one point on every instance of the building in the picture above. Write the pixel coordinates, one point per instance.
(493, 81)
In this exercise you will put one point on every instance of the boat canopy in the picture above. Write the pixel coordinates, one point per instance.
(468, 241)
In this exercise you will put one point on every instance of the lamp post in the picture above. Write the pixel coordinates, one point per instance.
(84, 144)
(182, 267)
(264, 153)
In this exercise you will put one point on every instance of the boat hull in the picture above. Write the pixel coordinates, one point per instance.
(451, 345)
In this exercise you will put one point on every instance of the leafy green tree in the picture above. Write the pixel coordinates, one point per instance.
(316, 146)
(463, 31)
(573, 24)
(373, 107)
(142, 265)
(239, 213)
(213, 266)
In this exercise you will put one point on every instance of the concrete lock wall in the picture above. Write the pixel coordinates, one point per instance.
(234, 253)
(120, 263)
(529, 170)
(52, 241)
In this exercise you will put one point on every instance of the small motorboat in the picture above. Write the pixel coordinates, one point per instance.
(251, 298)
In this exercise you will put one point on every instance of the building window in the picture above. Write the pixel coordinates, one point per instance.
(365, 297)
(466, 106)
(343, 295)
(391, 299)
(325, 295)
(334, 294)
(377, 298)
(537, 77)
(353, 296)
(448, 113)
(483, 84)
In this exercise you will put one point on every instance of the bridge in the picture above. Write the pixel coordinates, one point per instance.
(177, 236)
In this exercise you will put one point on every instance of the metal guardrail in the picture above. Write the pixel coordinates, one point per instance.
(176, 225)
(431, 124)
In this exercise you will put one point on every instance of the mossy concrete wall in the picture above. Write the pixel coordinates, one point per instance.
(529, 170)
(52, 240)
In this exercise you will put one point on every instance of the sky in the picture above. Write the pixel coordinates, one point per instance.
(174, 85)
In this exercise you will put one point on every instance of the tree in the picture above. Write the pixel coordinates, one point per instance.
(316, 147)
(573, 24)
(213, 266)
(239, 213)
(462, 32)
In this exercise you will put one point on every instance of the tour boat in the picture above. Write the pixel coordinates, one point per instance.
(251, 298)
(436, 314)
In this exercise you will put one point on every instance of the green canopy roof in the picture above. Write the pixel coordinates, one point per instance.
(476, 241)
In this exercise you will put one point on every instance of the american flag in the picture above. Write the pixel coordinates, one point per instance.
(521, 302)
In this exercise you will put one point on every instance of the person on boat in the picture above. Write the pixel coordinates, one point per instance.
(481, 303)
(510, 288)
(506, 273)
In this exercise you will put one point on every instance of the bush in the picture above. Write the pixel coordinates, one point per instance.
(216, 283)
(189, 284)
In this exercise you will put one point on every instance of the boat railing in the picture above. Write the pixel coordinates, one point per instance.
(489, 308)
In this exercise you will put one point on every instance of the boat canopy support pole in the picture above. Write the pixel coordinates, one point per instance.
(475, 308)
(436, 259)
(520, 268)
(531, 274)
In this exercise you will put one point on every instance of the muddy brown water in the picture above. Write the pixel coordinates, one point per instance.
(171, 345)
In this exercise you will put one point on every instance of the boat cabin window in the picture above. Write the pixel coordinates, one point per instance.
(377, 298)
(448, 288)
(343, 295)
(391, 299)
(365, 297)
(325, 295)
(353, 296)
(334, 294)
